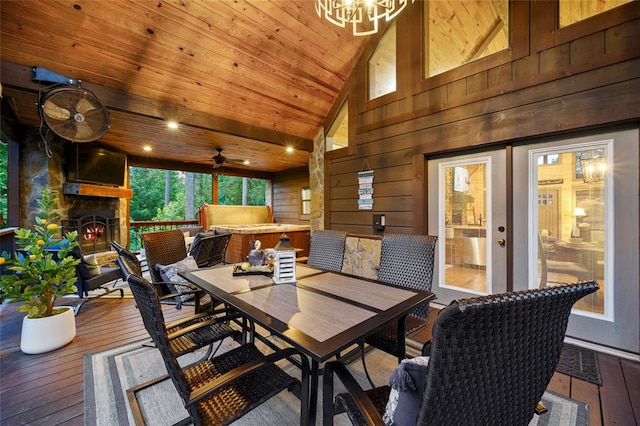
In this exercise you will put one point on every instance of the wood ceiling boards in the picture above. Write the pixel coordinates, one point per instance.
(250, 77)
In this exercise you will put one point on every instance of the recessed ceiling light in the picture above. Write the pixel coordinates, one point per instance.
(172, 124)
(246, 162)
(147, 148)
(289, 149)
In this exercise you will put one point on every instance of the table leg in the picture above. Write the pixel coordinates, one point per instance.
(313, 394)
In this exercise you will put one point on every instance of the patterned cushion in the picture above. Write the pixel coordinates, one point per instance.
(169, 273)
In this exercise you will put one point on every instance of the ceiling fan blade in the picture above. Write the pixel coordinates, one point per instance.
(84, 105)
(235, 161)
(55, 112)
(83, 131)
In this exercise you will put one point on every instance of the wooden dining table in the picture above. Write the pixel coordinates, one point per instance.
(321, 315)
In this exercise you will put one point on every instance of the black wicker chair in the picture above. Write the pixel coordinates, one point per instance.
(209, 248)
(165, 248)
(406, 261)
(193, 332)
(491, 359)
(88, 282)
(222, 389)
(326, 250)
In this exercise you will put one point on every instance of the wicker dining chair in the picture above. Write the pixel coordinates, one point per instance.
(209, 248)
(193, 332)
(326, 250)
(405, 261)
(220, 390)
(491, 359)
(165, 248)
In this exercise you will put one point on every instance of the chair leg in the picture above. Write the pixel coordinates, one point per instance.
(364, 365)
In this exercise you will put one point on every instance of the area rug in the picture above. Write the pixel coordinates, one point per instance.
(108, 374)
(579, 362)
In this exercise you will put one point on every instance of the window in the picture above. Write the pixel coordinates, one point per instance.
(305, 199)
(451, 42)
(382, 65)
(572, 11)
(338, 134)
(241, 191)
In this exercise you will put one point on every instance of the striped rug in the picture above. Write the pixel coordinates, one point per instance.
(108, 374)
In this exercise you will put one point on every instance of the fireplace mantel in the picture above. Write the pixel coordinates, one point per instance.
(96, 190)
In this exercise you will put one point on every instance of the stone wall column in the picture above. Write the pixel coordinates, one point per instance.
(316, 182)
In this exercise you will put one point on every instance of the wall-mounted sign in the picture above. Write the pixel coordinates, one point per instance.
(365, 190)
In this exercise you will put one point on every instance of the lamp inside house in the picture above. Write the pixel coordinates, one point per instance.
(593, 169)
(362, 15)
(578, 213)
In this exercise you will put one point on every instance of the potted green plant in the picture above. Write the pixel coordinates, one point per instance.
(43, 270)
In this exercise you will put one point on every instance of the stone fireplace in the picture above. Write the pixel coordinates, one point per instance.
(96, 229)
(101, 218)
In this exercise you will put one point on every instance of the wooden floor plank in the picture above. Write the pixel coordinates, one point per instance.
(631, 371)
(589, 394)
(616, 405)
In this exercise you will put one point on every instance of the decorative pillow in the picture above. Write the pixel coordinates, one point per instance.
(169, 273)
(193, 249)
(91, 264)
(407, 385)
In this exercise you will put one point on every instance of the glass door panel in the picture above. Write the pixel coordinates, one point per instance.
(469, 217)
(571, 190)
(465, 212)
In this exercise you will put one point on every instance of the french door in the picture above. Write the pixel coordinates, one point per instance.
(578, 220)
(575, 210)
(471, 224)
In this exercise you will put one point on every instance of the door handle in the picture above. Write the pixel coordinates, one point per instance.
(501, 242)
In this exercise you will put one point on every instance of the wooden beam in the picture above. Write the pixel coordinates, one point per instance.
(96, 190)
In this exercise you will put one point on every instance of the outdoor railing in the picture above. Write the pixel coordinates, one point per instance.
(138, 227)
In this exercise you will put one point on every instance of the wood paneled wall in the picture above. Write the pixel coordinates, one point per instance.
(287, 188)
(551, 81)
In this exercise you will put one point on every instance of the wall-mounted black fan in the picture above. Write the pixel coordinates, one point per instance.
(69, 110)
(73, 113)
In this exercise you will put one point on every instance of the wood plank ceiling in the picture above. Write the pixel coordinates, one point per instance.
(250, 77)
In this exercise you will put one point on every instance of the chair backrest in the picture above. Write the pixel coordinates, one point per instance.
(209, 248)
(407, 260)
(165, 248)
(129, 257)
(542, 254)
(326, 250)
(492, 357)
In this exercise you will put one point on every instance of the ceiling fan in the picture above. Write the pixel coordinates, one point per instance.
(219, 160)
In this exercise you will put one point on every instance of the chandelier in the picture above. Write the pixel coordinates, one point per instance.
(362, 15)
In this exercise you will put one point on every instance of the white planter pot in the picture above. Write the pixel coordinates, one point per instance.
(41, 335)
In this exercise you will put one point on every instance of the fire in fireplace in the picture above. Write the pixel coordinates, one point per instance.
(96, 229)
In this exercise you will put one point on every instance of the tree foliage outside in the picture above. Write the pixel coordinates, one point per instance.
(230, 191)
(148, 202)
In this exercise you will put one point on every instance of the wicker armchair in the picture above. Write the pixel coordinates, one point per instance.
(165, 248)
(190, 333)
(491, 359)
(222, 389)
(407, 261)
(326, 250)
(87, 281)
(209, 248)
